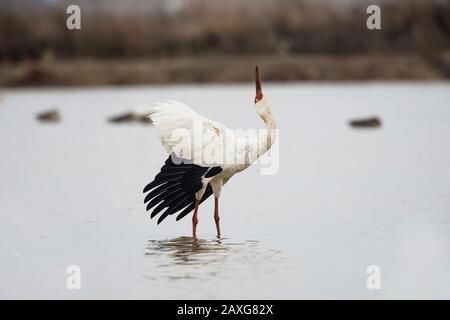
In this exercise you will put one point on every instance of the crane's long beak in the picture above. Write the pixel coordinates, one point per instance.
(258, 83)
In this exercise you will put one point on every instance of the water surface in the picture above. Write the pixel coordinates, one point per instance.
(343, 199)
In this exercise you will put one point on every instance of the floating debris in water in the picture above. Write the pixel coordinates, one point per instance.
(372, 122)
(49, 116)
(132, 116)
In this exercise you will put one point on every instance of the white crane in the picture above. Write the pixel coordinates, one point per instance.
(204, 155)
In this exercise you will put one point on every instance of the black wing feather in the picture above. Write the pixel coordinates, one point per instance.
(174, 187)
(160, 189)
(213, 171)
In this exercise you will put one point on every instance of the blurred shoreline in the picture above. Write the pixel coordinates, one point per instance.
(223, 69)
(200, 41)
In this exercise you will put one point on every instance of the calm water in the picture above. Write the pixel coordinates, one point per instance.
(342, 199)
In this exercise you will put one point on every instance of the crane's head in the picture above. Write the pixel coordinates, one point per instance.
(261, 104)
(259, 93)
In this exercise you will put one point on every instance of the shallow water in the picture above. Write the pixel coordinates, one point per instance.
(342, 200)
(213, 257)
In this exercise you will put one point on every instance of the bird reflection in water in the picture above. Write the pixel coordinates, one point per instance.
(179, 258)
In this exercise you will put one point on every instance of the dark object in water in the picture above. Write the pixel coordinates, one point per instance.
(372, 122)
(49, 116)
(131, 117)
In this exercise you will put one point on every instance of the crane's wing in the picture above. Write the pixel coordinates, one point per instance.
(174, 188)
(190, 139)
(187, 134)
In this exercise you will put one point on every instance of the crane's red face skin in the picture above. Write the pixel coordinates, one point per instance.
(258, 96)
(259, 93)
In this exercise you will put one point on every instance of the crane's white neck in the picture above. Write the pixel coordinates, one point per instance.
(268, 137)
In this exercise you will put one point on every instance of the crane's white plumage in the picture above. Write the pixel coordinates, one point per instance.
(204, 156)
(187, 134)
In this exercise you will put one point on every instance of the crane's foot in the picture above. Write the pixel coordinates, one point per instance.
(218, 231)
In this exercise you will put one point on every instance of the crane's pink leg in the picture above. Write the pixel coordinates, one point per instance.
(216, 215)
(195, 219)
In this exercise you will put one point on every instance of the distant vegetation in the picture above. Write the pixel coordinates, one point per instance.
(202, 28)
